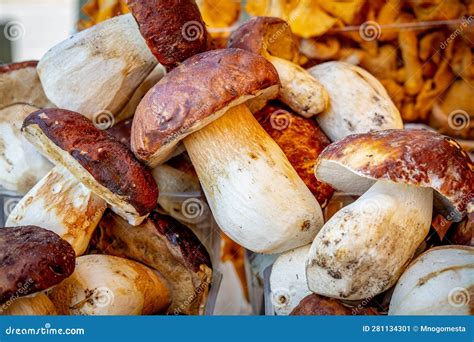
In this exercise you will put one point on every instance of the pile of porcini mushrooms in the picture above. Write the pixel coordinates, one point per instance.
(94, 136)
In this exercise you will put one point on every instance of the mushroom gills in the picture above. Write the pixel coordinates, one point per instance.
(362, 250)
(253, 191)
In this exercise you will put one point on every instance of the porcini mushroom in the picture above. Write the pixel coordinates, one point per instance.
(363, 249)
(96, 71)
(96, 159)
(438, 282)
(253, 191)
(359, 102)
(288, 280)
(21, 166)
(273, 39)
(109, 285)
(63, 205)
(19, 83)
(174, 30)
(32, 259)
(167, 246)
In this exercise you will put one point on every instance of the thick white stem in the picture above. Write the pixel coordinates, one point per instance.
(299, 89)
(362, 250)
(256, 196)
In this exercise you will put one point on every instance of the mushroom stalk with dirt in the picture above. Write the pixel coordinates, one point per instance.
(363, 249)
(253, 191)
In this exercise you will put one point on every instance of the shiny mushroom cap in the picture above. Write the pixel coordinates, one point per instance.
(96, 159)
(174, 30)
(264, 35)
(414, 157)
(196, 93)
(32, 259)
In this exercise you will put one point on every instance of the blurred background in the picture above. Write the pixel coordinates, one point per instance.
(420, 50)
(31, 27)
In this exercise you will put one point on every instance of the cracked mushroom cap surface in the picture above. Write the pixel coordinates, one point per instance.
(194, 94)
(266, 35)
(414, 157)
(32, 259)
(93, 156)
(173, 29)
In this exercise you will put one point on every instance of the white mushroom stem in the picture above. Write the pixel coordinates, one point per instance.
(60, 203)
(256, 196)
(109, 285)
(96, 71)
(359, 102)
(299, 89)
(288, 280)
(362, 250)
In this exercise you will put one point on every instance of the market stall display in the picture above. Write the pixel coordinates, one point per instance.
(305, 157)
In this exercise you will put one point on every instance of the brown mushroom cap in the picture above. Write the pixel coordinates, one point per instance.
(266, 35)
(196, 93)
(122, 131)
(415, 157)
(32, 259)
(173, 29)
(302, 140)
(109, 162)
(316, 305)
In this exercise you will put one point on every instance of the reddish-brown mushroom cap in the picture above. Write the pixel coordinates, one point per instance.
(316, 305)
(194, 94)
(415, 157)
(109, 162)
(32, 259)
(266, 35)
(302, 140)
(173, 29)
